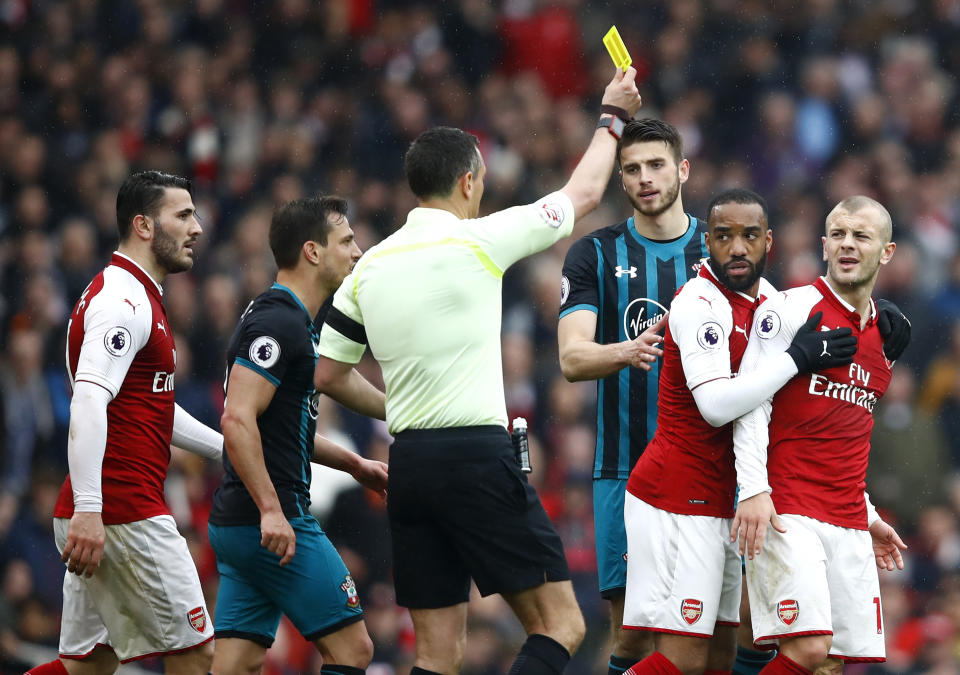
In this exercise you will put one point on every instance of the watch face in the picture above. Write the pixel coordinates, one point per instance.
(612, 124)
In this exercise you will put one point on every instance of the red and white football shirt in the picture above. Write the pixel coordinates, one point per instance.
(687, 467)
(815, 436)
(118, 338)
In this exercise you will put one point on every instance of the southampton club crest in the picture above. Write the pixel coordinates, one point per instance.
(639, 315)
(350, 588)
(691, 610)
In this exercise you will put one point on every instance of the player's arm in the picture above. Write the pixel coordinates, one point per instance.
(592, 174)
(887, 544)
(507, 236)
(194, 436)
(99, 376)
(248, 395)
(781, 335)
(343, 340)
(581, 358)
(755, 509)
(369, 473)
(723, 400)
(751, 433)
(341, 382)
(700, 327)
(86, 444)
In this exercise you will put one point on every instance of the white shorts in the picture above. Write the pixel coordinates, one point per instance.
(818, 579)
(126, 605)
(683, 573)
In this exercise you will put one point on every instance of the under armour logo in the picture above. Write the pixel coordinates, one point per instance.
(160, 326)
(632, 271)
(825, 352)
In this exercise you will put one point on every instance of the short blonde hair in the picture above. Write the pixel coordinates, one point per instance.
(857, 203)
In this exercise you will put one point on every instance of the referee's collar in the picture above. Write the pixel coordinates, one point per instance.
(292, 295)
(425, 214)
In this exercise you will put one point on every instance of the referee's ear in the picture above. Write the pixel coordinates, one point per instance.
(466, 184)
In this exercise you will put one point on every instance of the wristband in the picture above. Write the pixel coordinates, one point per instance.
(616, 111)
(612, 124)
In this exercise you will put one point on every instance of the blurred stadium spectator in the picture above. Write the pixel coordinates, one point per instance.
(261, 102)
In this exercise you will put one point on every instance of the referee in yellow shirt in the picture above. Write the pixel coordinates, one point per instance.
(427, 302)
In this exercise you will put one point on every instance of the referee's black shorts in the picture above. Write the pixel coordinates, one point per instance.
(460, 507)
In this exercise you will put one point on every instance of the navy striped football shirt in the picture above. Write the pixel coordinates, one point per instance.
(628, 281)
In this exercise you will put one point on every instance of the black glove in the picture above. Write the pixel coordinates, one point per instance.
(894, 329)
(812, 349)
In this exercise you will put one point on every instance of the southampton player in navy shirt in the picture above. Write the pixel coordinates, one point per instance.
(272, 555)
(617, 285)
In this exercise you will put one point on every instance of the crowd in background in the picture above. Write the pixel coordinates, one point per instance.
(261, 102)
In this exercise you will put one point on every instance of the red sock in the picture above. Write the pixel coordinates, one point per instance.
(655, 664)
(52, 668)
(783, 665)
(717, 672)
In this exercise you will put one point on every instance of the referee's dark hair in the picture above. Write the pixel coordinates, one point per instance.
(300, 221)
(738, 196)
(437, 159)
(649, 129)
(140, 194)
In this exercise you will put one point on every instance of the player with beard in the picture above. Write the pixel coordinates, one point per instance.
(616, 285)
(131, 588)
(683, 572)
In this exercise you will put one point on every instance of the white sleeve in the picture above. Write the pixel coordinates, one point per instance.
(751, 434)
(113, 333)
(872, 515)
(724, 400)
(701, 326)
(193, 435)
(86, 443)
(771, 334)
(509, 235)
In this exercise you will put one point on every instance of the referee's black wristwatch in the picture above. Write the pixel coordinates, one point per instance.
(613, 118)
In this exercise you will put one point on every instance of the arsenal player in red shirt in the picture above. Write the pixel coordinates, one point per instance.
(131, 590)
(814, 590)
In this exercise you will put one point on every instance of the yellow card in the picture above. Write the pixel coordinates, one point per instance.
(618, 52)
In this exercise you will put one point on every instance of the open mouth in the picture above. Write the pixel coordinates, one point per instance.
(847, 262)
(649, 195)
